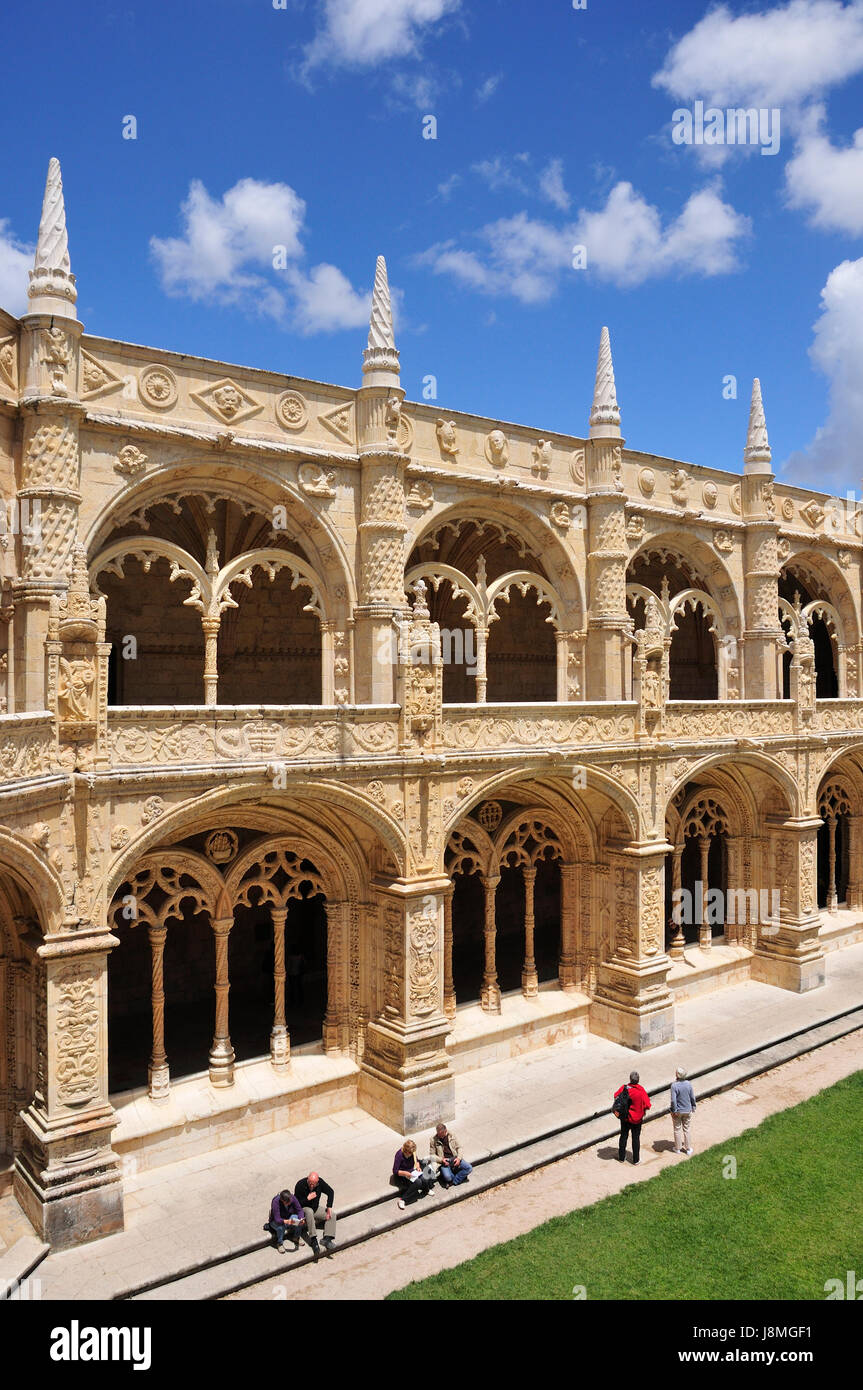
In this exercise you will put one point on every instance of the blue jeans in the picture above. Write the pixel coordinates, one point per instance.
(461, 1173)
(278, 1229)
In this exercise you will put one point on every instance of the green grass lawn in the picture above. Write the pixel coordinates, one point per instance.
(790, 1220)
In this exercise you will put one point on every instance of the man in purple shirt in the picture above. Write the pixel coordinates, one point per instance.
(285, 1211)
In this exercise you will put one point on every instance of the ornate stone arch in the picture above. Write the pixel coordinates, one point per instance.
(163, 871)
(265, 490)
(469, 849)
(288, 853)
(835, 602)
(784, 780)
(194, 812)
(523, 525)
(526, 840)
(29, 869)
(147, 550)
(701, 559)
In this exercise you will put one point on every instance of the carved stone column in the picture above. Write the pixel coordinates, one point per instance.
(221, 1052)
(158, 1075)
(853, 896)
(211, 659)
(678, 942)
(735, 932)
(336, 1030)
(529, 981)
(328, 680)
(405, 1077)
(608, 621)
(49, 493)
(490, 991)
(449, 999)
(570, 964)
(790, 955)
(832, 896)
(67, 1177)
(761, 590)
(633, 1004)
(481, 664)
(561, 640)
(280, 1042)
(705, 930)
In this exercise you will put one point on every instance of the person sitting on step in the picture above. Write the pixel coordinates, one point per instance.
(446, 1149)
(285, 1214)
(414, 1179)
(308, 1192)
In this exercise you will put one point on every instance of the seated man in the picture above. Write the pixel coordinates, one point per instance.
(308, 1193)
(447, 1150)
(285, 1211)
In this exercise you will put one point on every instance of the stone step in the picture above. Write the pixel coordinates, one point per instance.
(18, 1262)
(251, 1265)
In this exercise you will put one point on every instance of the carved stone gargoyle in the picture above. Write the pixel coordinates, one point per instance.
(77, 656)
(802, 673)
(650, 667)
(419, 683)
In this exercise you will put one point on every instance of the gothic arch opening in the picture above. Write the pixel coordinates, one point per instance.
(800, 591)
(222, 958)
(270, 649)
(157, 645)
(520, 655)
(209, 601)
(504, 923)
(834, 844)
(693, 667)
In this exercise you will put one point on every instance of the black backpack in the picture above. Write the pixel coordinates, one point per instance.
(620, 1108)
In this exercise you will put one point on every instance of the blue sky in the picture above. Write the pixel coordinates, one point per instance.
(302, 127)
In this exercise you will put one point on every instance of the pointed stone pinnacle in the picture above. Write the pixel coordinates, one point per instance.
(757, 455)
(604, 413)
(52, 284)
(381, 358)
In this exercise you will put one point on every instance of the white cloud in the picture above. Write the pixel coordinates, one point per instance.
(247, 250)
(362, 33)
(524, 258)
(489, 87)
(777, 57)
(16, 259)
(626, 244)
(326, 300)
(415, 89)
(837, 350)
(445, 189)
(827, 180)
(498, 174)
(551, 184)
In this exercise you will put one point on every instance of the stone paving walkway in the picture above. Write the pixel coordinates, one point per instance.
(449, 1234)
(215, 1203)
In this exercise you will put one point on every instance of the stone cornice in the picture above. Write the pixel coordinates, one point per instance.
(224, 438)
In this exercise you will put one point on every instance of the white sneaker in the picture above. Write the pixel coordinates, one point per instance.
(401, 1203)
(689, 1151)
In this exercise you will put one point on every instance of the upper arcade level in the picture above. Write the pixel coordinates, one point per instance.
(257, 539)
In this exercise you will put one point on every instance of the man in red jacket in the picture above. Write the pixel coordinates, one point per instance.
(639, 1104)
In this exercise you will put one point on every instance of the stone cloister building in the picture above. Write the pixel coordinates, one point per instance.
(348, 743)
